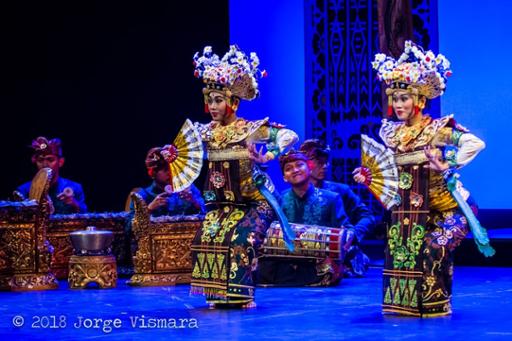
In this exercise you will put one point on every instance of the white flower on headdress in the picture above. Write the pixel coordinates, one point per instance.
(380, 57)
(231, 71)
(415, 67)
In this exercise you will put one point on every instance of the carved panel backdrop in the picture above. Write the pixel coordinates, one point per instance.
(425, 26)
(343, 96)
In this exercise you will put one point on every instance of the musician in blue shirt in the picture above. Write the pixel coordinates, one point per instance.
(158, 200)
(360, 219)
(304, 204)
(67, 196)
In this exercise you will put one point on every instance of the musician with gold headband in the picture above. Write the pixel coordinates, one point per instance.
(67, 196)
(313, 207)
(225, 250)
(415, 177)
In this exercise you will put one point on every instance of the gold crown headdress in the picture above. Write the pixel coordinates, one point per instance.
(235, 74)
(419, 72)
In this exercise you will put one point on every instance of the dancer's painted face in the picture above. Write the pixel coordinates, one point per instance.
(217, 106)
(403, 105)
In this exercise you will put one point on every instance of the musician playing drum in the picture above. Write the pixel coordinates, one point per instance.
(304, 204)
(360, 219)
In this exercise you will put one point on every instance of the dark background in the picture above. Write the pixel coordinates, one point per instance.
(110, 78)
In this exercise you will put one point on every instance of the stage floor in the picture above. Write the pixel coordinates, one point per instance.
(482, 309)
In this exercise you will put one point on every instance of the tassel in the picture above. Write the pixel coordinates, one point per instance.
(288, 234)
(390, 106)
(479, 233)
(206, 110)
(229, 110)
(486, 249)
(416, 105)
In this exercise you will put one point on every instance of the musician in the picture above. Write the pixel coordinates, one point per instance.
(188, 201)
(67, 196)
(360, 220)
(305, 204)
(159, 202)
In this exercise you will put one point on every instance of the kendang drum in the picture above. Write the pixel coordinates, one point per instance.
(311, 241)
(319, 246)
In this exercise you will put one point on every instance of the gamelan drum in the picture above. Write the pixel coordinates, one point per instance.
(311, 241)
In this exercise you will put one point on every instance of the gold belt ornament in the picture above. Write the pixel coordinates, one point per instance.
(414, 158)
(225, 155)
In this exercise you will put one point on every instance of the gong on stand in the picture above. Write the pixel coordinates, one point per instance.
(93, 261)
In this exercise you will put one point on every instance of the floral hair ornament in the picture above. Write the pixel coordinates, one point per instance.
(235, 74)
(41, 146)
(416, 71)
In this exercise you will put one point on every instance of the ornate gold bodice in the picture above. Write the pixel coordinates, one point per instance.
(406, 139)
(230, 168)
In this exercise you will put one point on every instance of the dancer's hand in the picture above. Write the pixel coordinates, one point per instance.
(362, 175)
(434, 157)
(257, 155)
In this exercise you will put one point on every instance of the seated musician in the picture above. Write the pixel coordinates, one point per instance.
(360, 219)
(67, 196)
(305, 204)
(158, 200)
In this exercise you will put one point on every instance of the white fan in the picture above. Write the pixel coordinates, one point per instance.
(185, 157)
(382, 180)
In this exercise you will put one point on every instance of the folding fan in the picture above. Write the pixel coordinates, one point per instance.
(382, 180)
(185, 157)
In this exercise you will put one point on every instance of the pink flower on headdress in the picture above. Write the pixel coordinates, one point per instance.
(232, 71)
(416, 67)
